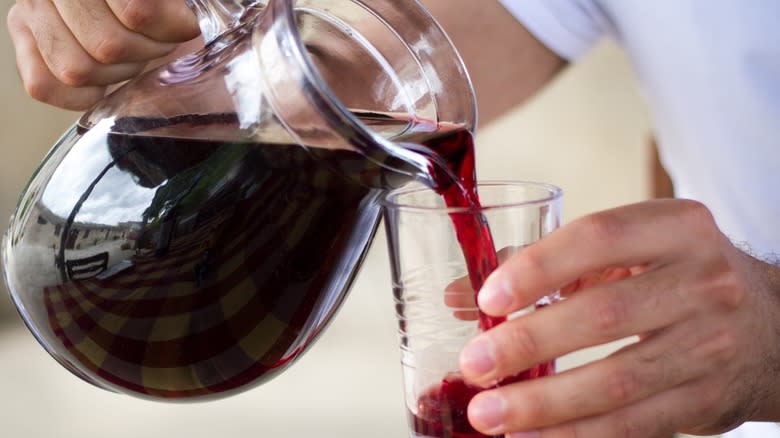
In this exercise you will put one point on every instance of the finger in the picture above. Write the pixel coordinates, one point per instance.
(656, 417)
(165, 21)
(595, 278)
(38, 80)
(103, 37)
(459, 295)
(605, 313)
(635, 235)
(462, 301)
(64, 56)
(632, 374)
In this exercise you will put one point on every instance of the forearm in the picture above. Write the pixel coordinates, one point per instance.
(507, 64)
(768, 280)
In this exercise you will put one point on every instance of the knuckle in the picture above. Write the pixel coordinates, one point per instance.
(138, 15)
(110, 49)
(723, 349)
(602, 228)
(728, 290)
(727, 351)
(39, 89)
(74, 75)
(719, 287)
(697, 217)
(622, 386)
(608, 316)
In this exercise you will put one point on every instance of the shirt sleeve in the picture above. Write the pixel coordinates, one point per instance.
(568, 27)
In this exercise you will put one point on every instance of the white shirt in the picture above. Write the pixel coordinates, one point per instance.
(710, 71)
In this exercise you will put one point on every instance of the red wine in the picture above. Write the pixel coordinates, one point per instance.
(241, 257)
(186, 267)
(442, 411)
(472, 230)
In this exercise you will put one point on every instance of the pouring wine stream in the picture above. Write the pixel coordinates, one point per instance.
(455, 181)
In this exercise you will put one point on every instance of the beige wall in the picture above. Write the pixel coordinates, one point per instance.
(587, 133)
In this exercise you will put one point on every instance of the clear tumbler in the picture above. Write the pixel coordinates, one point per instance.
(435, 305)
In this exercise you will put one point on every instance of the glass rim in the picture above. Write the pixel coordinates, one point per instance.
(554, 193)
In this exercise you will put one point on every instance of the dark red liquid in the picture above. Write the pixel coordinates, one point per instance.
(472, 230)
(191, 268)
(443, 410)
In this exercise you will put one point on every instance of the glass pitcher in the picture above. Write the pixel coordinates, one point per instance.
(193, 234)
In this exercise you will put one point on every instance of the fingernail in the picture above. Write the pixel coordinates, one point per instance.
(487, 412)
(495, 298)
(477, 358)
(531, 434)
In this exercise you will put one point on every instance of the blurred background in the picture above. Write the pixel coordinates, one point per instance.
(588, 133)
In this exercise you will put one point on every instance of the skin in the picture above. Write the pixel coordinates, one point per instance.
(69, 51)
(705, 313)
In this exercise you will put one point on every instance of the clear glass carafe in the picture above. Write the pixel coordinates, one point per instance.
(194, 232)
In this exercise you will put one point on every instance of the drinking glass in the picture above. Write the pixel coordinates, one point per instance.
(435, 304)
